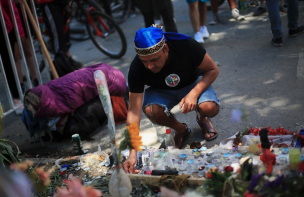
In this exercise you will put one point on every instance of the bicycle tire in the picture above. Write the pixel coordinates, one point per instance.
(220, 3)
(121, 11)
(113, 37)
(80, 17)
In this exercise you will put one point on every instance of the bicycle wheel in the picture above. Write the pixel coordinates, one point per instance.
(80, 17)
(106, 34)
(120, 10)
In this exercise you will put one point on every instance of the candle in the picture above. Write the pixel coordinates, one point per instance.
(294, 158)
(254, 146)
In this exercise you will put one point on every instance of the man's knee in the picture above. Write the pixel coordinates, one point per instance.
(154, 110)
(209, 109)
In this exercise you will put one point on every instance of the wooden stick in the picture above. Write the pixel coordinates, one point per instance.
(44, 49)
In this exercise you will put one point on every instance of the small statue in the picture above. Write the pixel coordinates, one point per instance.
(236, 141)
(267, 157)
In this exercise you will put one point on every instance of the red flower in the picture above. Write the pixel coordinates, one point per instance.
(301, 167)
(208, 175)
(247, 194)
(228, 169)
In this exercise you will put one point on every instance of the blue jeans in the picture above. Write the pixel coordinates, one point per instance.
(275, 19)
(169, 98)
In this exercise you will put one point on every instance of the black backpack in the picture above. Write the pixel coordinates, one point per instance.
(64, 65)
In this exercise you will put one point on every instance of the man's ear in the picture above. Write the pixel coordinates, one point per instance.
(166, 48)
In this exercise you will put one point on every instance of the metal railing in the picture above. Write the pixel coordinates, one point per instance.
(27, 31)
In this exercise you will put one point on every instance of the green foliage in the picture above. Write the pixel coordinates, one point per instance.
(215, 184)
(7, 155)
(1, 114)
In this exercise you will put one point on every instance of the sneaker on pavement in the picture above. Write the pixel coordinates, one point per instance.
(236, 15)
(277, 42)
(296, 32)
(283, 8)
(199, 37)
(254, 3)
(215, 20)
(19, 110)
(204, 31)
(259, 11)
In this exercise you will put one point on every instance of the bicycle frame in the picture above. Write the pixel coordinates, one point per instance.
(79, 4)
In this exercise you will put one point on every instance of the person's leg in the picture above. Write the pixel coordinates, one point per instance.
(17, 58)
(234, 11)
(30, 60)
(205, 111)
(168, 18)
(194, 15)
(56, 21)
(275, 21)
(208, 107)
(195, 20)
(61, 38)
(261, 9)
(214, 6)
(157, 105)
(148, 18)
(293, 16)
(157, 19)
(203, 16)
(283, 6)
(7, 64)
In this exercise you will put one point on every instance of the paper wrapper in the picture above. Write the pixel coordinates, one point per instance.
(104, 95)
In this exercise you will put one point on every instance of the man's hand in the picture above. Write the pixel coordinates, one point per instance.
(189, 102)
(129, 163)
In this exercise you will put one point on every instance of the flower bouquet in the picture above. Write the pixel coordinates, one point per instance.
(120, 184)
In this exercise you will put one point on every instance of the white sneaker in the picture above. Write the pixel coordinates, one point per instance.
(19, 110)
(199, 37)
(215, 20)
(236, 15)
(204, 31)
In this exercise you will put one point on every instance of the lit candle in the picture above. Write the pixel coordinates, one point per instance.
(254, 146)
(294, 158)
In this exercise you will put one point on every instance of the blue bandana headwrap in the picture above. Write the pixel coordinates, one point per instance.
(152, 39)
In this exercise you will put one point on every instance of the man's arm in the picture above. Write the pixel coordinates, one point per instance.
(211, 72)
(133, 115)
(135, 105)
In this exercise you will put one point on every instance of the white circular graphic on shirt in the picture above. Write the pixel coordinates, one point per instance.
(172, 80)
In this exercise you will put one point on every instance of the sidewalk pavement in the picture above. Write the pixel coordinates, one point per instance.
(267, 81)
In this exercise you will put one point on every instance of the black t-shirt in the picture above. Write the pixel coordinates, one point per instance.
(180, 70)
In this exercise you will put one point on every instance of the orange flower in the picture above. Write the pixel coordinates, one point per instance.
(135, 139)
(21, 166)
(43, 176)
(76, 189)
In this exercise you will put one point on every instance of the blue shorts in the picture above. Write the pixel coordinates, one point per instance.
(191, 1)
(169, 98)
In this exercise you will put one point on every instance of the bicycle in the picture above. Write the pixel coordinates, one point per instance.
(106, 35)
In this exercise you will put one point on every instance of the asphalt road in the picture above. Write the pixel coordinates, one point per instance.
(267, 81)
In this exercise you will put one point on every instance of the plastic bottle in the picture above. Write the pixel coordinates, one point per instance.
(169, 140)
(160, 131)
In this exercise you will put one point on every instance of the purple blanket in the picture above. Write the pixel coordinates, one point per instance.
(65, 94)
